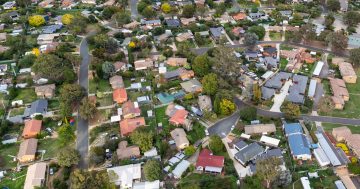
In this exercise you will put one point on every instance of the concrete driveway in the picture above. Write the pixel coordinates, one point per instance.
(279, 98)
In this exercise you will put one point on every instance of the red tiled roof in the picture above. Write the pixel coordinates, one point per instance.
(127, 126)
(179, 117)
(120, 95)
(207, 159)
(32, 128)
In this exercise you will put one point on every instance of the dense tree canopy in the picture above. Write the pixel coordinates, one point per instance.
(66, 135)
(333, 5)
(67, 157)
(355, 56)
(87, 109)
(268, 169)
(290, 110)
(250, 39)
(210, 84)
(258, 30)
(152, 170)
(201, 65)
(49, 66)
(216, 145)
(36, 20)
(81, 179)
(188, 11)
(143, 138)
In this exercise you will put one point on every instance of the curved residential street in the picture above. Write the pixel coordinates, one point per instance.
(82, 132)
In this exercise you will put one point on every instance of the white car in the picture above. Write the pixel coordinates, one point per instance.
(206, 132)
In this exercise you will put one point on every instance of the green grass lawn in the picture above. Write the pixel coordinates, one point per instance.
(307, 69)
(286, 47)
(326, 86)
(50, 145)
(132, 95)
(283, 63)
(101, 85)
(161, 116)
(17, 111)
(7, 151)
(207, 181)
(106, 100)
(18, 183)
(275, 36)
(329, 126)
(54, 104)
(27, 95)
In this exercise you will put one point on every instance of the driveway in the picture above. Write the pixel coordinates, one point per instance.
(82, 132)
(279, 98)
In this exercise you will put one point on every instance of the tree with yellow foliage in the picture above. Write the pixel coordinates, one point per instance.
(132, 44)
(166, 8)
(36, 51)
(66, 19)
(226, 107)
(36, 20)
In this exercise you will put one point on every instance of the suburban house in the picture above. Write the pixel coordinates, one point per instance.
(147, 184)
(116, 82)
(248, 153)
(352, 140)
(9, 5)
(130, 110)
(209, 163)
(239, 16)
(238, 31)
(192, 86)
(14, 15)
(179, 118)
(176, 61)
(36, 175)
(38, 107)
(347, 72)
(120, 95)
(181, 37)
(181, 73)
(260, 129)
(296, 58)
(204, 102)
(180, 169)
(44, 39)
(312, 88)
(27, 150)
(132, 25)
(45, 91)
(127, 152)
(217, 33)
(297, 89)
(277, 81)
(187, 21)
(173, 23)
(298, 142)
(120, 66)
(143, 64)
(340, 92)
(127, 126)
(32, 128)
(126, 175)
(2, 37)
(180, 139)
(344, 5)
(199, 3)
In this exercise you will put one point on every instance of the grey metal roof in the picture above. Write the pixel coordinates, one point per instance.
(172, 74)
(51, 29)
(295, 97)
(270, 50)
(249, 152)
(297, 90)
(172, 22)
(271, 61)
(240, 144)
(267, 93)
(216, 32)
(38, 106)
(276, 81)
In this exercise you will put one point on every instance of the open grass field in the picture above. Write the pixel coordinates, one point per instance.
(50, 145)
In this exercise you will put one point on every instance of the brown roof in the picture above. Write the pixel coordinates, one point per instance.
(239, 16)
(341, 132)
(127, 126)
(119, 65)
(346, 69)
(129, 108)
(260, 128)
(125, 152)
(45, 90)
(143, 64)
(27, 147)
(176, 61)
(35, 175)
(338, 88)
(179, 136)
(116, 82)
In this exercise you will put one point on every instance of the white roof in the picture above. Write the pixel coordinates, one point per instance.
(151, 153)
(173, 160)
(318, 68)
(267, 75)
(162, 70)
(180, 168)
(270, 140)
(313, 175)
(312, 88)
(147, 185)
(339, 184)
(321, 157)
(305, 182)
(115, 118)
(126, 174)
(119, 111)
(328, 150)
(135, 85)
(213, 169)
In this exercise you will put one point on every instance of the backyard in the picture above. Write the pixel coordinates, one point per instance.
(161, 116)
(307, 69)
(16, 111)
(27, 95)
(50, 145)
(100, 85)
(275, 36)
(17, 183)
(8, 152)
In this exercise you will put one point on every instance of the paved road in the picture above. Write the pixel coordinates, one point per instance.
(133, 7)
(223, 127)
(82, 140)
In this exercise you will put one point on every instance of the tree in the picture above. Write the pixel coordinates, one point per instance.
(108, 70)
(355, 56)
(258, 30)
(268, 169)
(354, 168)
(329, 20)
(49, 66)
(142, 5)
(256, 93)
(333, 5)
(225, 64)
(81, 179)
(122, 17)
(78, 25)
(67, 19)
(188, 11)
(152, 170)
(148, 12)
(67, 157)
(251, 182)
(338, 40)
(201, 65)
(227, 107)
(351, 18)
(284, 179)
(87, 109)
(248, 114)
(166, 8)
(36, 20)
(210, 84)
(290, 110)
(97, 155)
(71, 93)
(216, 145)
(109, 11)
(250, 39)
(143, 138)
(190, 150)
(66, 135)
(23, 3)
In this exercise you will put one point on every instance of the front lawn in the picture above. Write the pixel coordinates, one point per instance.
(17, 183)
(101, 85)
(106, 100)
(50, 145)
(27, 95)
(275, 36)
(351, 108)
(283, 63)
(8, 152)
(329, 126)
